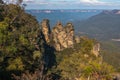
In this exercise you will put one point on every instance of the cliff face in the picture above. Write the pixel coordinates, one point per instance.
(45, 27)
(61, 37)
(96, 49)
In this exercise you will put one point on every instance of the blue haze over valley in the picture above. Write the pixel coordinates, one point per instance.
(63, 16)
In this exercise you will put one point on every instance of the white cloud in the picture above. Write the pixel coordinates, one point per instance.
(98, 3)
(64, 2)
(70, 3)
(90, 1)
(28, 1)
(14, 1)
(93, 2)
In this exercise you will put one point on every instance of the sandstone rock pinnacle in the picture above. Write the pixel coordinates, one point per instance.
(63, 37)
(46, 30)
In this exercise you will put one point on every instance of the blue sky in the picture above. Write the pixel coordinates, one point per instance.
(72, 4)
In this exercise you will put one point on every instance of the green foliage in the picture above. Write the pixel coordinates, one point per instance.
(19, 33)
(112, 49)
(77, 66)
(23, 40)
(15, 64)
(11, 49)
(86, 45)
(3, 32)
(70, 67)
(37, 54)
(103, 70)
(79, 63)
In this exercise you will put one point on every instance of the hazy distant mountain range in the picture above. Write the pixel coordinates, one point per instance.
(64, 10)
(63, 15)
(103, 26)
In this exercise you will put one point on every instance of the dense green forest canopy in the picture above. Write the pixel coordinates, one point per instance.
(19, 39)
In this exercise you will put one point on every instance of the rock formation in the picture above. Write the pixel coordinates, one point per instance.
(77, 39)
(61, 37)
(45, 27)
(96, 49)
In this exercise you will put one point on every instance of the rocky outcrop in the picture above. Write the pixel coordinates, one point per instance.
(96, 49)
(77, 39)
(63, 37)
(45, 27)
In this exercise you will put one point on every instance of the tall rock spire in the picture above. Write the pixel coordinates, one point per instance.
(46, 30)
